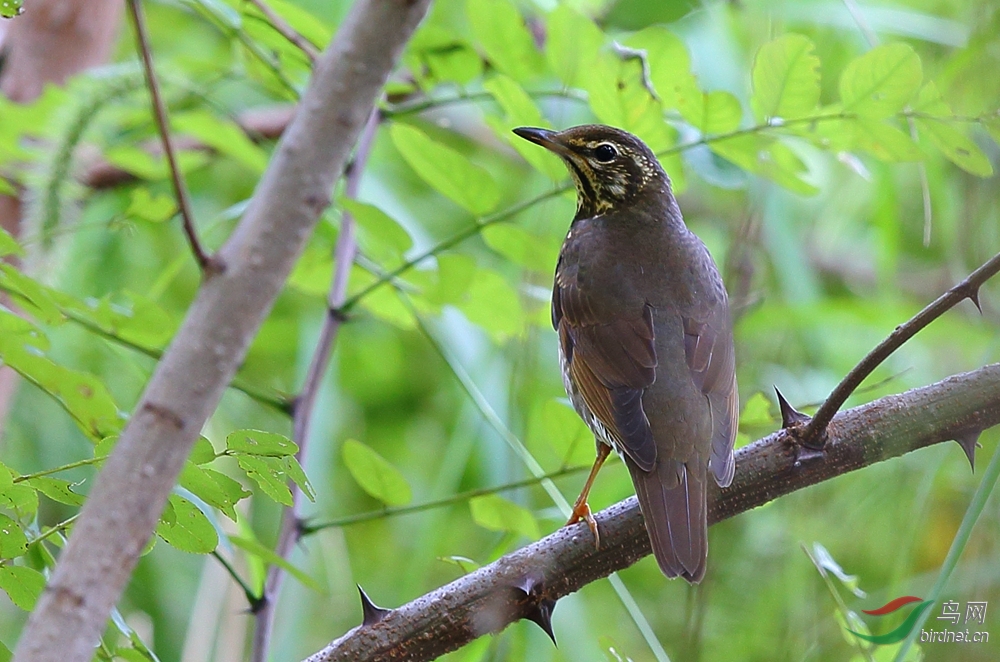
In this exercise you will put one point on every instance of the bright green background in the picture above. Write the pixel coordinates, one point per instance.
(821, 243)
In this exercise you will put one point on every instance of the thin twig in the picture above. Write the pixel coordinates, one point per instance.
(308, 529)
(421, 105)
(287, 31)
(222, 21)
(252, 598)
(271, 398)
(815, 431)
(290, 530)
(163, 125)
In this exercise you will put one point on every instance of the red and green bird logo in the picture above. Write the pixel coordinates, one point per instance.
(904, 628)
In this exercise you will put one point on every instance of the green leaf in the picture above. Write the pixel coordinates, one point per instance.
(445, 56)
(881, 82)
(521, 247)
(785, 78)
(32, 295)
(992, 125)
(11, 8)
(500, 30)
(269, 474)
(268, 556)
(493, 304)
(498, 514)
(375, 474)
(447, 171)
(13, 542)
(946, 136)
(5, 654)
(766, 157)
(60, 491)
(955, 145)
(618, 97)
(885, 142)
(22, 585)
(212, 487)
(712, 112)
(183, 526)
(258, 442)
(20, 498)
(9, 245)
(298, 476)
(669, 65)
(520, 110)
(81, 394)
(131, 655)
(224, 136)
(379, 235)
(203, 452)
(572, 42)
(144, 206)
(131, 317)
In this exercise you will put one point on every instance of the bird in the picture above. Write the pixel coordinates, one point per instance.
(645, 339)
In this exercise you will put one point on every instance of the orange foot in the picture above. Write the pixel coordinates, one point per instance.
(581, 512)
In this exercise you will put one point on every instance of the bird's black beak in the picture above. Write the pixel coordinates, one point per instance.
(544, 137)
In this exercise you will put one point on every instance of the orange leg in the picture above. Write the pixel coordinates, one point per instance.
(581, 509)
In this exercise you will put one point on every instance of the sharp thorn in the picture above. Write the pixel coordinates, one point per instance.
(540, 613)
(790, 416)
(969, 441)
(372, 613)
(539, 608)
(974, 298)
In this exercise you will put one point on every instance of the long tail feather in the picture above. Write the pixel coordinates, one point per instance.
(672, 499)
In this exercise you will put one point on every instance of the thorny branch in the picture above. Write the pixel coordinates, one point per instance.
(527, 583)
(812, 435)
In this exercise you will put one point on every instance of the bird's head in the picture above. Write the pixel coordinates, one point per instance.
(610, 167)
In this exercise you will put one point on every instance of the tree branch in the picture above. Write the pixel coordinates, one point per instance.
(203, 357)
(813, 432)
(204, 260)
(527, 582)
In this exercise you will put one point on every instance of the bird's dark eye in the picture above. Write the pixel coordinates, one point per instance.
(605, 153)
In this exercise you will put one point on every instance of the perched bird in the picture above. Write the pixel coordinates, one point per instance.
(645, 339)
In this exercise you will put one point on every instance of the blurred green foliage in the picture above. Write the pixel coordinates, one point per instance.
(842, 183)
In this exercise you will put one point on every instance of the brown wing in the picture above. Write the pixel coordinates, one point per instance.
(611, 359)
(708, 346)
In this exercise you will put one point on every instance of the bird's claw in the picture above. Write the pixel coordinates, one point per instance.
(581, 513)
